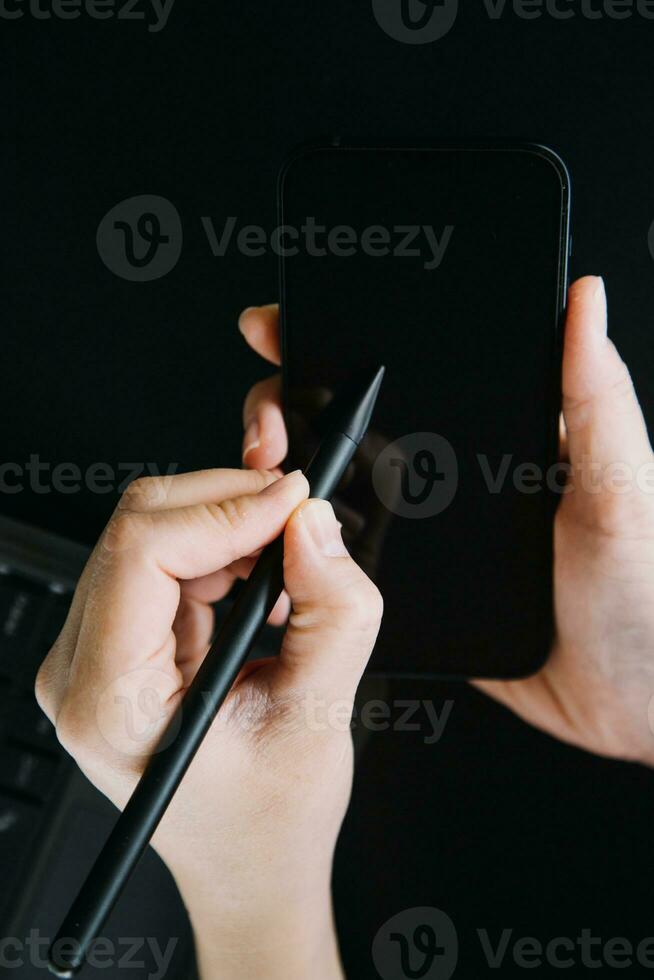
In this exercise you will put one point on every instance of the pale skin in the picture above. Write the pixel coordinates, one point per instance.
(251, 833)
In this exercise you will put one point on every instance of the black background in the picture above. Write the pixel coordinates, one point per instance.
(497, 825)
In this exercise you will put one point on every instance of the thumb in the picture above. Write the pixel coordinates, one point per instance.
(336, 609)
(603, 419)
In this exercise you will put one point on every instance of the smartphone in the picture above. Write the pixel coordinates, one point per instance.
(448, 266)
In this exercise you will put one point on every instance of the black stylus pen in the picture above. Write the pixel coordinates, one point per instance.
(212, 683)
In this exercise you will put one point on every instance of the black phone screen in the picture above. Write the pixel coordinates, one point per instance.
(449, 267)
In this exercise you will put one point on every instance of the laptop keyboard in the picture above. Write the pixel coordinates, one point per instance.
(32, 763)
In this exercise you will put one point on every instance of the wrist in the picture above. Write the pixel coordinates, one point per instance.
(281, 941)
(262, 917)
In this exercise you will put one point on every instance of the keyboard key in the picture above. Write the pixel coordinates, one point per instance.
(54, 617)
(27, 771)
(19, 822)
(15, 582)
(58, 588)
(22, 605)
(5, 702)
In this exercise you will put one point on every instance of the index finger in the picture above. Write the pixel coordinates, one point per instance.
(128, 617)
(143, 555)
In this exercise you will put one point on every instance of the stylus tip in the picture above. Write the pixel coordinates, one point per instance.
(357, 419)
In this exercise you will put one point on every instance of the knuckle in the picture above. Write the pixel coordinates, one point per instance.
(69, 728)
(228, 515)
(125, 530)
(377, 603)
(42, 688)
(144, 493)
(226, 519)
(371, 604)
(46, 680)
(262, 479)
(358, 606)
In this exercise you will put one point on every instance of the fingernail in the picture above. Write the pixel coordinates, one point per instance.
(251, 438)
(242, 316)
(320, 522)
(282, 485)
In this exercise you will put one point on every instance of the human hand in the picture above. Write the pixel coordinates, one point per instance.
(250, 834)
(595, 689)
